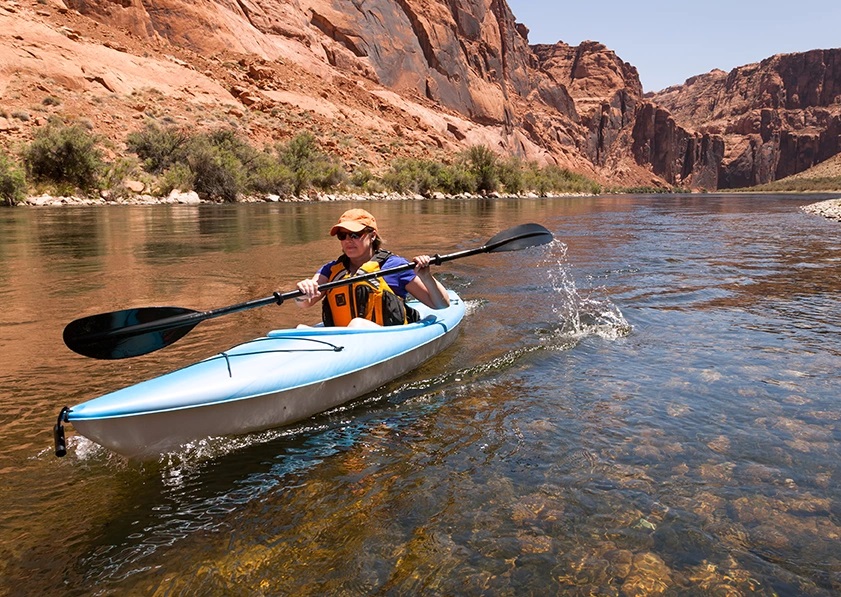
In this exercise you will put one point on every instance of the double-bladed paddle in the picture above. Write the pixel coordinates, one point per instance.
(139, 331)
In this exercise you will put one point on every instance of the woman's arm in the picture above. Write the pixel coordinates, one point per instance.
(425, 287)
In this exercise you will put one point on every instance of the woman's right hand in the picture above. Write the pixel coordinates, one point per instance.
(309, 290)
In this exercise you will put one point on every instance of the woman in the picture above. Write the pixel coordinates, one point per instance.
(382, 299)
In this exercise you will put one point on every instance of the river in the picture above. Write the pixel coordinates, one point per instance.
(647, 405)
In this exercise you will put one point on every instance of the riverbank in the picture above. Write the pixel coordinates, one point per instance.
(192, 198)
(830, 209)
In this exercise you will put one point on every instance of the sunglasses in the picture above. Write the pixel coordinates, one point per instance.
(342, 235)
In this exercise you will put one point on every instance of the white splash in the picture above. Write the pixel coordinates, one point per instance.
(581, 313)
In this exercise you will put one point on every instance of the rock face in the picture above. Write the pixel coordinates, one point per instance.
(776, 118)
(462, 54)
(623, 133)
(383, 78)
(458, 53)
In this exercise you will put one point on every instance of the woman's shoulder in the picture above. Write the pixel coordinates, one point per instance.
(328, 267)
(393, 260)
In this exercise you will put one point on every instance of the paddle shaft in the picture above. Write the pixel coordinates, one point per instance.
(276, 298)
(79, 335)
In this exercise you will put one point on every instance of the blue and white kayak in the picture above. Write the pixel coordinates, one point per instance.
(285, 377)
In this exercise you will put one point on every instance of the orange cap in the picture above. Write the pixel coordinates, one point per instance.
(354, 220)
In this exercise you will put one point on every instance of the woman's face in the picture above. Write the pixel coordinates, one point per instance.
(360, 247)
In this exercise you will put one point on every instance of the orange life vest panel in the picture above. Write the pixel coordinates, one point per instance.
(371, 299)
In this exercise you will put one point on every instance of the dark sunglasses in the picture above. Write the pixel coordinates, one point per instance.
(342, 235)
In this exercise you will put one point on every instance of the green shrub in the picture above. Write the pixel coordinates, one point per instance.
(374, 186)
(818, 183)
(482, 163)
(64, 156)
(424, 177)
(409, 175)
(115, 173)
(511, 175)
(178, 176)
(228, 141)
(267, 175)
(217, 171)
(330, 175)
(554, 179)
(159, 148)
(309, 165)
(641, 190)
(12, 182)
(221, 165)
(454, 179)
(360, 177)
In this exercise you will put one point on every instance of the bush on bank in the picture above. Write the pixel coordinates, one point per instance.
(12, 182)
(222, 166)
(798, 185)
(478, 170)
(64, 157)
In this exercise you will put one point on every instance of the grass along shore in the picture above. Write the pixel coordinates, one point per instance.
(220, 166)
(64, 165)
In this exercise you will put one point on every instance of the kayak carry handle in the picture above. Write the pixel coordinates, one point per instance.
(58, 433)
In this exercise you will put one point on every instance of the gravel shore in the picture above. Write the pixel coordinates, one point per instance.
(191, 198)
(830, 209)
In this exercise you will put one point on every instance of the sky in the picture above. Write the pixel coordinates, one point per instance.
(670, 41)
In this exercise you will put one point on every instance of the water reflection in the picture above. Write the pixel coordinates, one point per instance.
(71, 233)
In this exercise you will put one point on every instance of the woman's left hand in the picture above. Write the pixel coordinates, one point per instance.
(422, 262)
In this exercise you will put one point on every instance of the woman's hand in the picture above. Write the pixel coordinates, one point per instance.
(309, 289)
(425, 287)
(422, 263)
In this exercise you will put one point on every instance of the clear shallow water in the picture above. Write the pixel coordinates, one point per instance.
(649, 404)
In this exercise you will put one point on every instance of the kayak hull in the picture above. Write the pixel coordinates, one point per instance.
(283, 378)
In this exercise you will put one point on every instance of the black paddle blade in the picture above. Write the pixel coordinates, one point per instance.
(127, 333)
(519, 237)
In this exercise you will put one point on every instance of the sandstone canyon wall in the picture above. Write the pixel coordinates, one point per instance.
(775, 118)
(622, 133)
(391, 77)
(466, 60)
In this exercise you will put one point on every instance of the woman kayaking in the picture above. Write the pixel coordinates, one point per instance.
(380, 300)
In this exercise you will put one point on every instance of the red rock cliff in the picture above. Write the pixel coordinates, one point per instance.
(384, 78)
(776, 118)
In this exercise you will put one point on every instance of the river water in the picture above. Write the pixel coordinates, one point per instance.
(648, 405)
